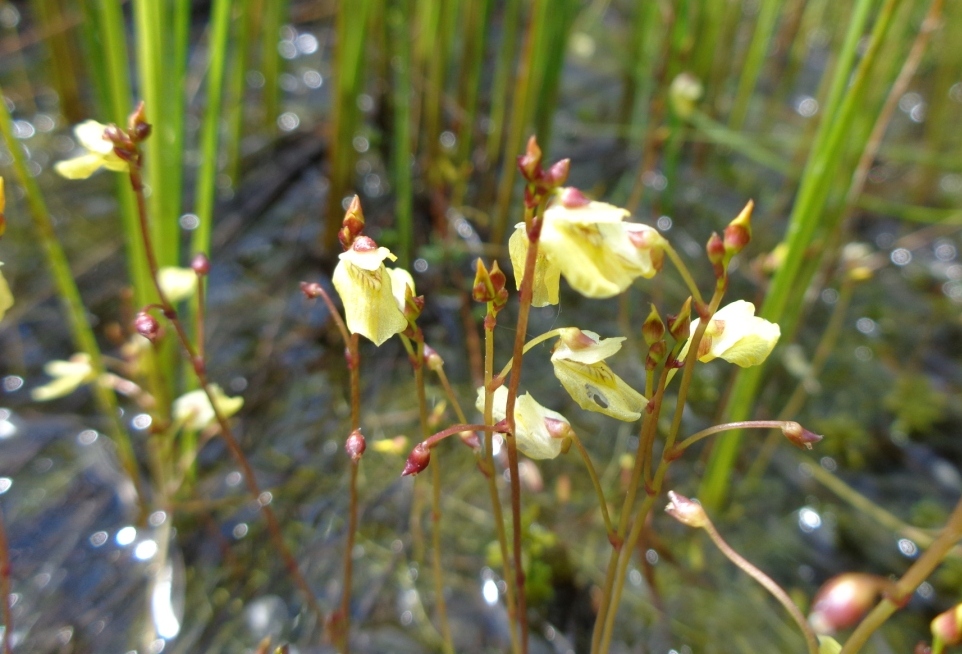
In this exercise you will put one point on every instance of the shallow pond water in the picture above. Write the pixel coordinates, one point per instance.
(90, 573)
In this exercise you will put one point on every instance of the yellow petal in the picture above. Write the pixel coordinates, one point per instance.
(589, 214)
(369, 305)
(194, 411)
(367, 259)
(586, 264)
(90, 135)
(547, 276)
(80, 167)
(401, 280)
(68, 376)
(585, 346)
(533, 438)
(737, 335)
(595, 387)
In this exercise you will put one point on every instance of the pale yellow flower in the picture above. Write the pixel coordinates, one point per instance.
(590, 245)
(100, 153)
(177, 283)
(194, 411)
(401, 280)
(68, 376)
(6, 297)
(578, 361)
(737, 335)
(540, 432)
(367, 291)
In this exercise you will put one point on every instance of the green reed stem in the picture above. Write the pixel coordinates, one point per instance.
(502, 79)
(62, 70)
(819, 174)
(402, 146)
(746, 145)
(72, 304)
(275, 11)
(210, 129)
(477, 14)
(352, 19)
(111, 30)
(235, 88)
(754, 61)
(549, 63)
(524, 83)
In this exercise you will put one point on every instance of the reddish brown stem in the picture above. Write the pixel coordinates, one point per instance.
(199, 368)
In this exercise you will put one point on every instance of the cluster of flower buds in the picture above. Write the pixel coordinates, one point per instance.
(489, 286)
(352, 225)
(126, 142)
(738, 234)
(653, 331)
(540, 182)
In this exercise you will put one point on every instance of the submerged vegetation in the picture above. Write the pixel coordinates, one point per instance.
(299, 240)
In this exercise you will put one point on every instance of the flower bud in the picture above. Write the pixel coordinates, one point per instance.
(418, 460)
(843, 600)
(432, 359)
(679, 326)
(799, 435)
(572, 198)
(138, 128)
(147, 326)
(947, 627)
(483, 289)
(529, 163)
(739, 231)
(686, 511)
(656, 355)
(352, 225)
(200, 264)
(355, 445)
(557, 174)
(311, 290)
(653, 329)
(716, 254)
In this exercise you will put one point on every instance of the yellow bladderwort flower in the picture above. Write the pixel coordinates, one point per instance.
(68, 376)
(578, 361)
(194, 411)
(100, 153)
(737, 335)
(540, 432)
(367, 291)
(590, 245)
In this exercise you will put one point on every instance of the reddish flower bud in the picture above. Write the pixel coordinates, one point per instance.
(739, 231)
(572, 198)
(147, 326)
(363, 244)
(529, 163)
(679, 326)
(557, 175)
(947, 627)
(432, 359)
(311, 290)
(716, 254)
(200, 264)
(686, 511)
(656, 354)
(483, 289)
(843, 601)
(653, 328)
(799, 435)
(355, 445)
(352, 225)
(498, 278)
(417, 461)
(138, 128)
